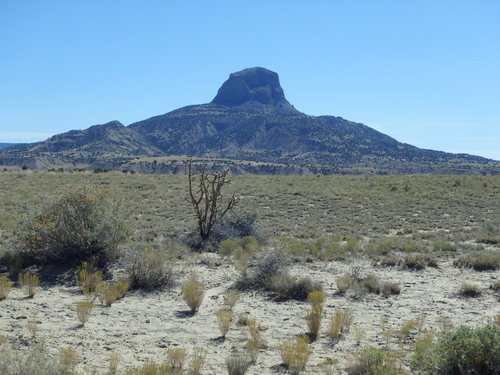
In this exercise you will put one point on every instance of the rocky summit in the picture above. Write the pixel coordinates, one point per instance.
(253, 86)
(249, 127)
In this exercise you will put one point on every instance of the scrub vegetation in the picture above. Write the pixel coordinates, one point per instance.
(300, 260)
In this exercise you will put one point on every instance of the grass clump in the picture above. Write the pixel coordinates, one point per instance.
(80, 225)
(390, 288)
(89, 278)
(83, 310)
(224, 319)
(371, 283)
(176, 359)
(231, 298)
(237, 363)
(344, 283)
(295, 354)
(114, 360)
(109, 293)
(29, 282)
(288, 287)
(197, 361)
(256, 341)
(374, 361)
(469, 290)
(243, 247)
(68, 358)
(174, 364)
(148, 268)
(340, 324)
(315, 314)
(419, 261)
(5, 286)
(193, 293)
(485, 261)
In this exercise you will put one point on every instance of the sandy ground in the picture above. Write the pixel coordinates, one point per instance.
(143, 326)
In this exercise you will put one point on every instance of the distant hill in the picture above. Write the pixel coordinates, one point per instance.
(5, 145)
(250, 127)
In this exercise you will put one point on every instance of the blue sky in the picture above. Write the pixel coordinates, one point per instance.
(423, 72)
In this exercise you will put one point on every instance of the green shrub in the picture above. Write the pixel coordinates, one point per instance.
(80, 225)
(490, 232)
(466, 350)
(444, 246)
(227, 247)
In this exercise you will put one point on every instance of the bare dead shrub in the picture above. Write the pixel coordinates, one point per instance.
(206, 197)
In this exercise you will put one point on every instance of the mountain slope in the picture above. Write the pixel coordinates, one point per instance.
(5, 145)
(108, 142)
(249, 120)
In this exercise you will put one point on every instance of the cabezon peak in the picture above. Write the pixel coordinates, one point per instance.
(252, 85)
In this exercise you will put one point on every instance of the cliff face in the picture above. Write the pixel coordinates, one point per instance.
(249, 120)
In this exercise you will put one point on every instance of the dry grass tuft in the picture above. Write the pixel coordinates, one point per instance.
(29, 282)
(114, 360)
(83, 310)
(224, 318)
(340, 324)
(237, 363)
(68, 358)
(469, 290)
(389, 288)
(295, 354)
(176, 359)
(5, 287)
(344, 283)
(313, 318)
(197, 361)
(231, 298)
(193, 293)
